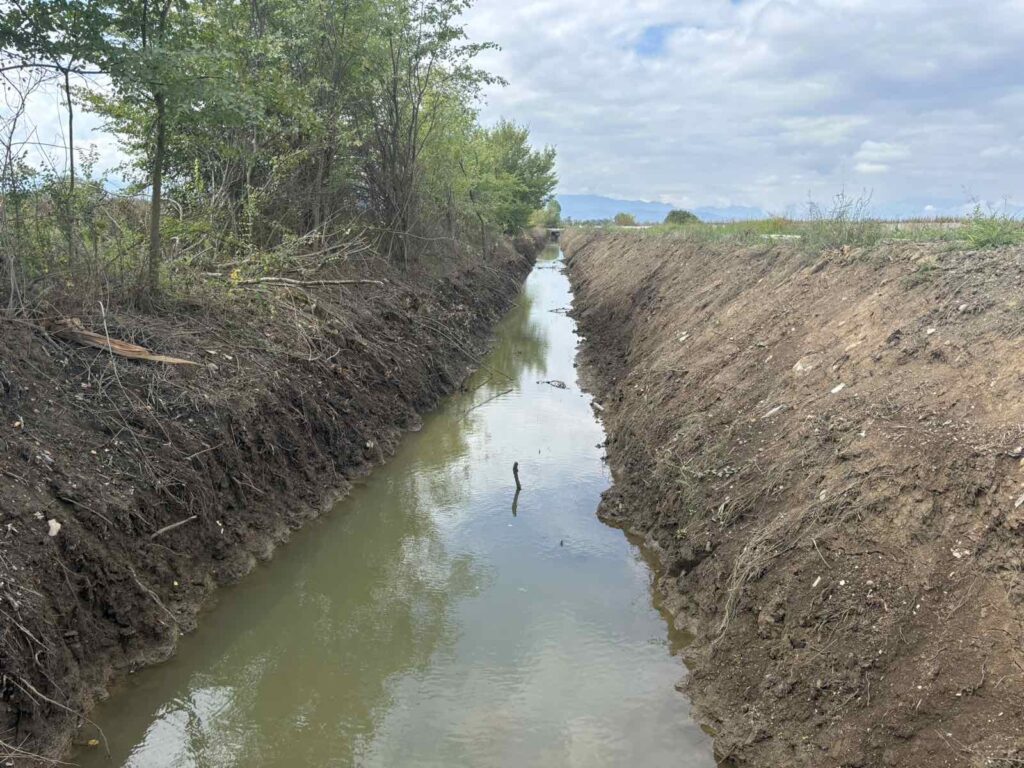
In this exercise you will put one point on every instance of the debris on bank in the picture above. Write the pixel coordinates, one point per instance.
(134, 480)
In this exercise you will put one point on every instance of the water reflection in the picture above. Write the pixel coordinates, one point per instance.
(422, 624)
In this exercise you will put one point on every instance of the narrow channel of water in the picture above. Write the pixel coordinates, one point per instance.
(426, 621)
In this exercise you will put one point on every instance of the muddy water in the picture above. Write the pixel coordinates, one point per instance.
(433, 620)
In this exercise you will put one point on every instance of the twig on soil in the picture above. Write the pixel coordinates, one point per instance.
(153, 595)
(9, 751)
(247, 484)
(172, 526)
(80, 505)
(14, 476)
(298, 283)
(73, 331)
(33, 690)
(24, 630)
(815, 543)
(205, 450)
(306, 283)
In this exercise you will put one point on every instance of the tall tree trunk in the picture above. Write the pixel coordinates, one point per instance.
(151, 284)
(71, 171)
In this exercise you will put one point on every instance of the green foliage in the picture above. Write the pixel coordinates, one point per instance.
(285, 126)
(678, 218)
(989, 229)
(624, 220)
(521, 179)
(847, 222)
(550, 217)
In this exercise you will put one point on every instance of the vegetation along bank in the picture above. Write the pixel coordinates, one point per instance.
(823, 444)
(308, 243)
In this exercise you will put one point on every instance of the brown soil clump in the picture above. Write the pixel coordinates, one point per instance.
(826, 453)
(164, 481)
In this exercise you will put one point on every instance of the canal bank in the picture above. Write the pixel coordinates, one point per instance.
(131, 490)
(823, 448)
(436, 617)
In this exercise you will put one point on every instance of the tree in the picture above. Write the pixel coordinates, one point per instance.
(157, 74)
(624, 220)
(420, 66)
(64, 37)
(280, 124)
(522, 179)
(550, 216)
(679, 217)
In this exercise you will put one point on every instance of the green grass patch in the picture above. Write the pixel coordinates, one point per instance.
(992, 230)
(845, 224)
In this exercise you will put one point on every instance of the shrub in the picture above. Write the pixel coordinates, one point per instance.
(625, 220)
(992, 230)
(681, 217)
(848, 222)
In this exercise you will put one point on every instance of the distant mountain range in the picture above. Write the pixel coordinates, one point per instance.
(598, 207)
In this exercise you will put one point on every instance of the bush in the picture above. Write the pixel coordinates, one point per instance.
(681, 217)
(549, 217)
(992, 230)
(847, 223)
(624, 220)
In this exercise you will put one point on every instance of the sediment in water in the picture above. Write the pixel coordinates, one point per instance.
(824, 451)
(295, 396)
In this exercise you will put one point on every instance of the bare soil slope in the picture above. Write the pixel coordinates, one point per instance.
(826, 452)
(298, 391)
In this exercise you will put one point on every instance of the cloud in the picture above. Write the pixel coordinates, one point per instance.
(881, 151)
(868, 168)
(42, 131)
(878, 156)
(761, 102)
(827, 131)
(765, 102)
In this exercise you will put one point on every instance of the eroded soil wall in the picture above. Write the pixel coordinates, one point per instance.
(298, 391)
(825, 449)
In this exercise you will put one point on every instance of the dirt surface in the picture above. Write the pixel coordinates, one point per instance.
(826, 452)
(298, 391)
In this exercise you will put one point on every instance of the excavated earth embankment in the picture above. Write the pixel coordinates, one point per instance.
(826, 452)
(160, 482)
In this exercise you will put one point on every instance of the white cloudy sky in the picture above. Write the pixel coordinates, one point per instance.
(764, 103)
(768, 102)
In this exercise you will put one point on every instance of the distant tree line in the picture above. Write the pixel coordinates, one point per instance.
(264, 126)
(625, 219)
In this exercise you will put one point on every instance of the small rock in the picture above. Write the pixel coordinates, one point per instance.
(837, 389)
(930, 331)
(54, 528)
(803, 365)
